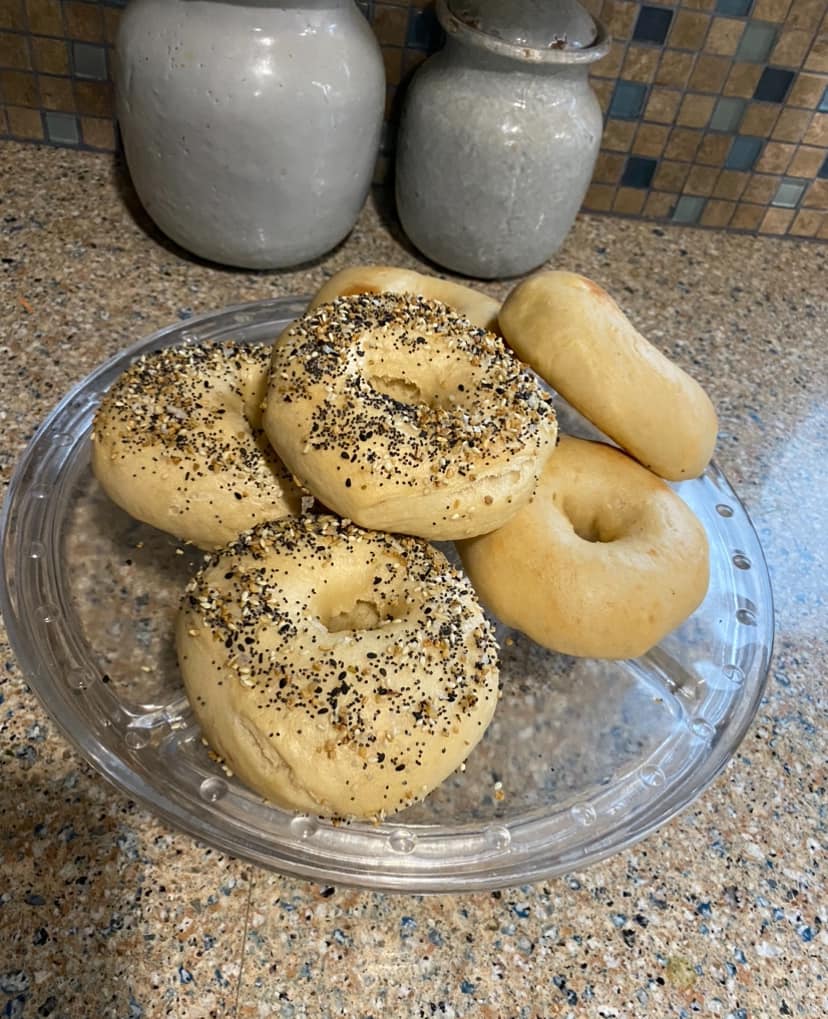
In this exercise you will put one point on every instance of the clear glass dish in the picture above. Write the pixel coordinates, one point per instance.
(584, 758)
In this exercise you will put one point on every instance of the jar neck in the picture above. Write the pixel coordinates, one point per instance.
(462, 52)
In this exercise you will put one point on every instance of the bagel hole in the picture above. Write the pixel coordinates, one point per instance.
(399, 389)
(588, 526)
(363, 615)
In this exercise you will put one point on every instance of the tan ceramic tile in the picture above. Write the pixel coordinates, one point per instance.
(662, 105)
(731, 184)
(742, 80)
(650, 140)
(50, 55)
(603, 89)
(759, 119)
(112, 20)
(659, 204)
(816, 197)
(24, 123)
(717, 213)
(94, 98)
(411, 61)
(618, 135)
(807, 90)
(392, 59)
(390, 25)
(688, 30)
(806, 14)
(724, 36)
(56, 93)
(791, 125)
(608, 168)
(699, 5)
(775, 158)
(84, 21)
(44, 17)
(629, 201)
(807, 223)
(695, 110)
(619, 17)
(776, 221)
(760, 189)
(19, 88)
(683, 144)
(817, 59)
(98, 132)
(701, 180)
(593, 6)
(610, 66)
(747, 217)
(709, 73)
(599, 198)
(817, 133)
(670, 175)
(640, 63)
(806, 161)
(791, 47)
(713, 149)
(14, 51)
(11, 14)
(822, 234)
(770, 10)
(674, 68)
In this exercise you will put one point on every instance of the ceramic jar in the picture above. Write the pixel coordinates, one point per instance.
(497, 142)
(250, 129)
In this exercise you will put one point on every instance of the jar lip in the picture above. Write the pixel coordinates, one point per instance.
(525, 54)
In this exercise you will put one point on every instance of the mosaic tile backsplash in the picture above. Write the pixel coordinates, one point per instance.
(716, 111)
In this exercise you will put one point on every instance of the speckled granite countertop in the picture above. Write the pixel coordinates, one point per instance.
(106, 912)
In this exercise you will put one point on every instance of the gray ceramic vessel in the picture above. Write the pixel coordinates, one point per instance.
(498, 139)
(250, 129)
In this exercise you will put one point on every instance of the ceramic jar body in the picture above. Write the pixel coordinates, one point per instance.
(494, 159)
(250, 130)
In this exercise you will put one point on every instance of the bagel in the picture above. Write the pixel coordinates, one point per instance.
(577, 338)
(399, 415)
(480, 309)
(177, 443)
(336, 671)
(604, 562)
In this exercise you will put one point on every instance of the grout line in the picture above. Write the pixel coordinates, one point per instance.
(245, 928)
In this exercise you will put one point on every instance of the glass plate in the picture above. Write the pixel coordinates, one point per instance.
(582, 759)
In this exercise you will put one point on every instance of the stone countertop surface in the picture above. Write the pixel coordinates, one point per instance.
(106, 911)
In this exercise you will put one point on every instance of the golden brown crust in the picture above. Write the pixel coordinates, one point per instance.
(604, 562)
(335, 670)
(480, 309)
(577, 338)
(178, 444)
(398, 414)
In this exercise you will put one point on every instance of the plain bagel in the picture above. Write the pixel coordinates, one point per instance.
(604, 562)
(480, 309)
(399, 415)
(337, 671)
(178, 444)
(577, 338)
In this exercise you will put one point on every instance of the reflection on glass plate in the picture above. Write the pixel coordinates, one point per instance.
(583, 758)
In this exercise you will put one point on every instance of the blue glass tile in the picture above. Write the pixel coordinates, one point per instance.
(773, 85)
(424, 32)
(823, 103)
(62, 128)
(688, 209)
(728, 114)
(653, 24)
(789, 192)
(628, 100)
(638, 173)
(822, 173)
(756, 42)
(744, 151)
(736, 8)
(89, 61)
